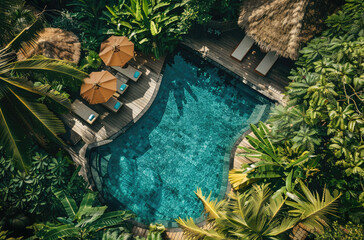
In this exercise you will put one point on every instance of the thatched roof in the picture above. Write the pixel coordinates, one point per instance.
(281, 25)
(55, 43)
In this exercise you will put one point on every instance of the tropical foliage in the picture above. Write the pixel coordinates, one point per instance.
(84, 222)
(318, 136)
(202, 11)
(20, 16)
(20, 106)
(91, 25)
(259, 213)
(156, 232)
(325, 112)
(91, 61)
(283, 172)
(4, 235)
(349, 231)
(154, 26)
(31, 193)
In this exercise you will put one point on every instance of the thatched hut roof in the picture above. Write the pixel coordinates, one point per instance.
(55, 43)
(282, 25)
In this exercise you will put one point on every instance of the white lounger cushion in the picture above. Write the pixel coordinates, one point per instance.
(84, 112)
(129, 72)
(243, 48)
(267, 63)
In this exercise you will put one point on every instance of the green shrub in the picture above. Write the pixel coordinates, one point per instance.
(31, 193)
(155, 27)
(221, 10)
(91, 61)
(68, 21)
(91, 23)
(86, 221)
(325, 111)
(337, 232)
(323, 119)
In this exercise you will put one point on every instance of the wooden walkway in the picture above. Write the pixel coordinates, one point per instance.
(219, 50)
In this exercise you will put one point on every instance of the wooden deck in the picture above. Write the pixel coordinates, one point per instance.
(136, 99)
(239, 160)
(219, 50)
(173, 235)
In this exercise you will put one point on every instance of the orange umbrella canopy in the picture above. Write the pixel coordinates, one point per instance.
(99, 87)
(116, 51)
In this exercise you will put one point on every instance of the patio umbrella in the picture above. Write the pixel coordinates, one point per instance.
(99, 87)
(116, 51)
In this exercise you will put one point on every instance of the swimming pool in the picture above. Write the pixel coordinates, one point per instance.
(182, 142)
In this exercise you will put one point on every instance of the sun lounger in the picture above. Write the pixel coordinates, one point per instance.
(243, 48)
(84, 112)
(267, 63)
(129, 72)
(113, 104)
(121, 86)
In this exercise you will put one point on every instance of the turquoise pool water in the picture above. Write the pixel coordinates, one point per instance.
(182, 142)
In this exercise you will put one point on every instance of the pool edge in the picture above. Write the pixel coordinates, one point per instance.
(226, 187)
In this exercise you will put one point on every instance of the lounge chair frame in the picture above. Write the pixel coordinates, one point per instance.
(243, 48)
(111, 103)
(129, 72)
(83, 111)
(267, 63)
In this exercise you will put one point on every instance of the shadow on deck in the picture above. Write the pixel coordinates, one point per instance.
(219, 50)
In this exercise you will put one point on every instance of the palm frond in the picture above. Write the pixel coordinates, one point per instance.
(211, 207)
(192, 232)
(275, 205)
(6, 28)
(41, 90)
(21, 83)
(239, 179)
(26, 39)
(281, 226)
(51, 68)
(235, 210)
(313, 209)
(55, 97)
(6, 57)
(11, 136)
(37, 114)
(259, 196)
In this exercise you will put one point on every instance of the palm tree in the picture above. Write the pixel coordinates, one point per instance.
(259, 213)
(85, 222)
(22, 115)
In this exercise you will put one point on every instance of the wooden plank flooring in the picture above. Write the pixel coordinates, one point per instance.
(219, 50)
(239, 160)
(172, 235)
